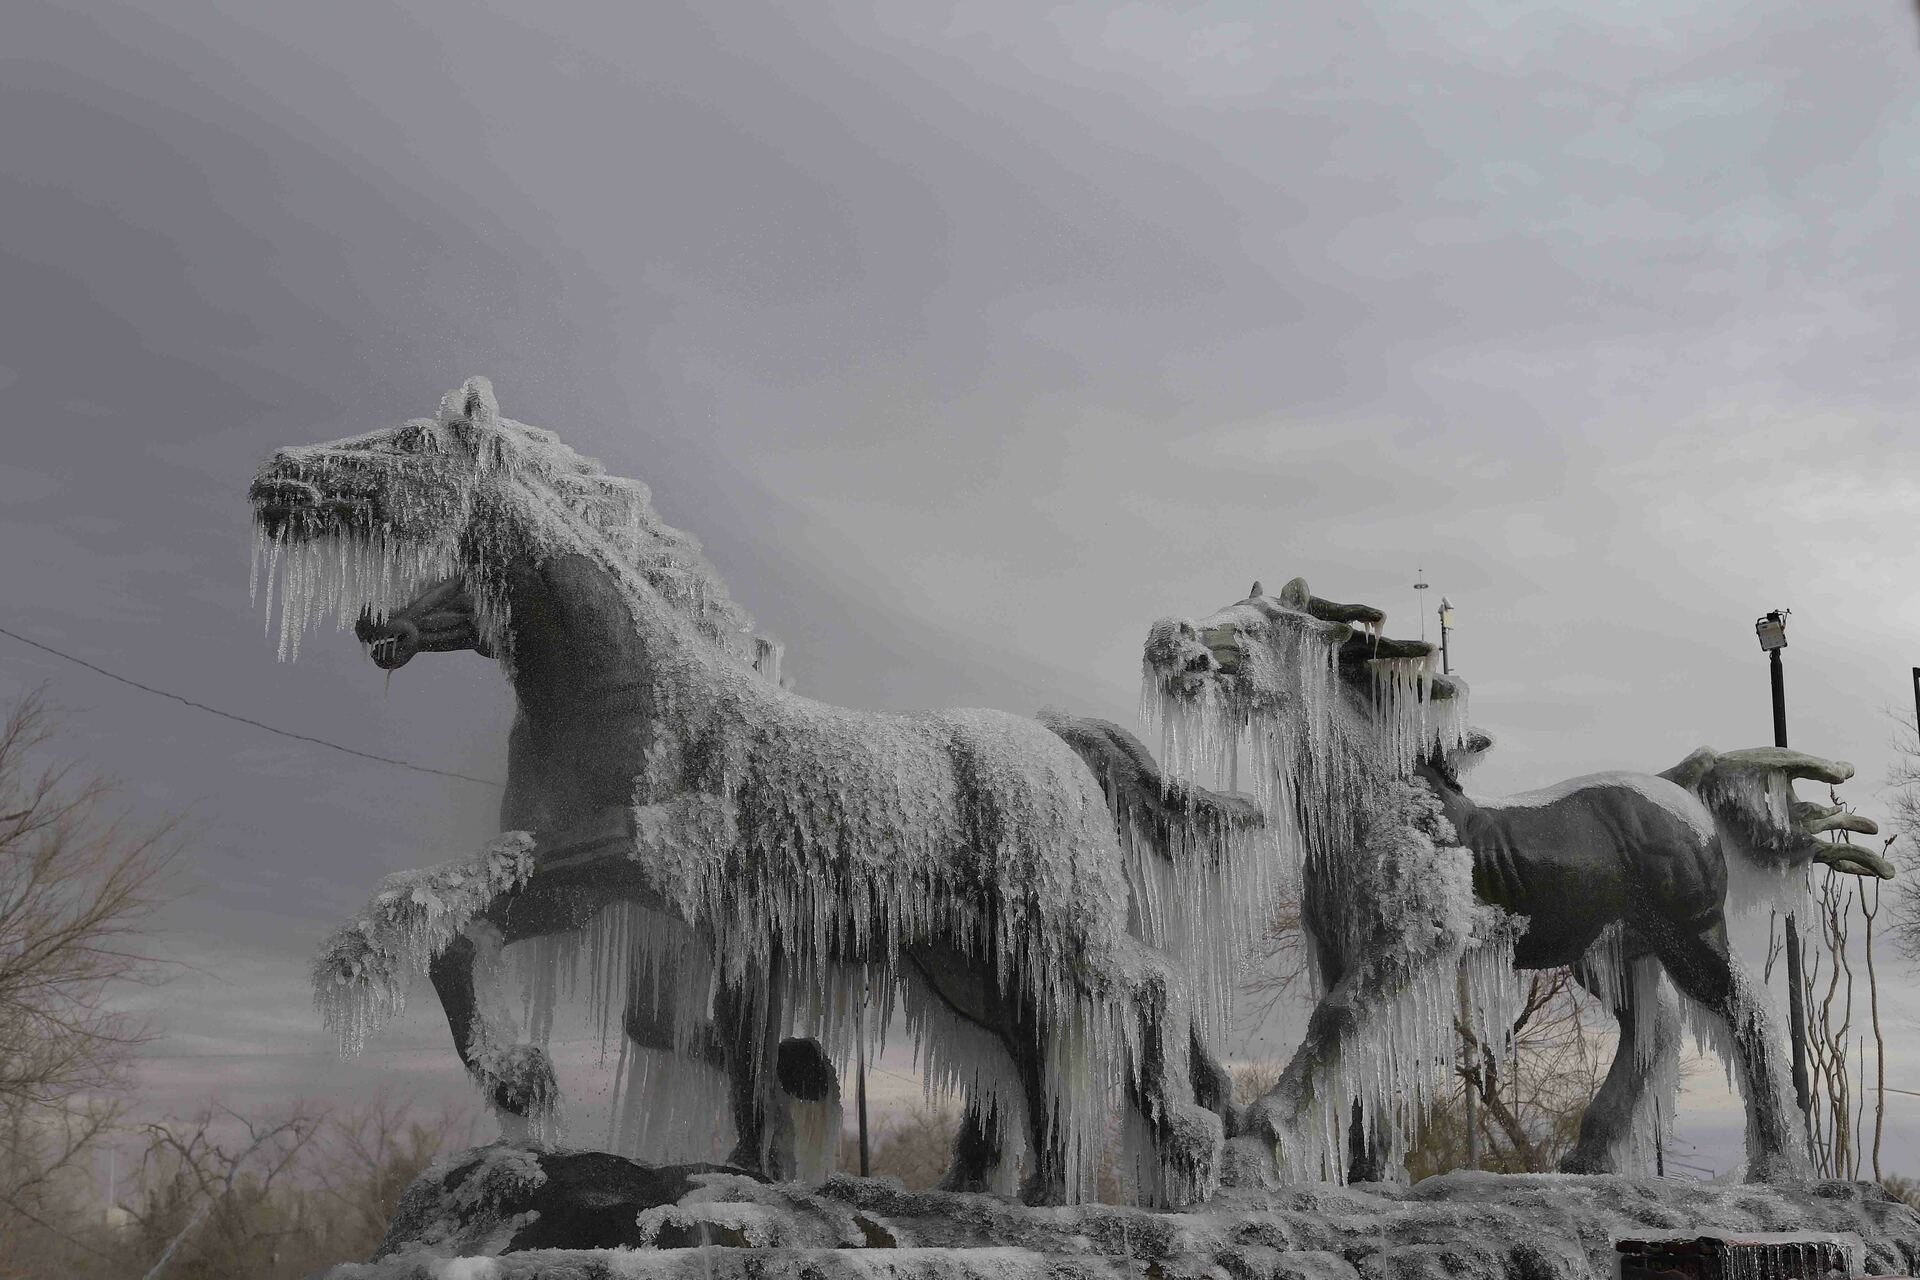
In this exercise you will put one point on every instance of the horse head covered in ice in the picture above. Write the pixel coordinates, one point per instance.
(711, 832)
(1623, 876)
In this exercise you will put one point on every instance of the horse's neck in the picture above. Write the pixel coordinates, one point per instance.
(1454, 804)
(586, 642)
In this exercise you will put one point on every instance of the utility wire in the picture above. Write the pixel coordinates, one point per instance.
(228, 715)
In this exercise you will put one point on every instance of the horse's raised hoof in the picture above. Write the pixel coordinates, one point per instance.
(520, 1081)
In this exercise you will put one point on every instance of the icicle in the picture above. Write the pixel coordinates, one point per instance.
(362, 974)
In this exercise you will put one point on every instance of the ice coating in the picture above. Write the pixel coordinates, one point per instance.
(821, 858)
(1573, 861)
(1252, 696)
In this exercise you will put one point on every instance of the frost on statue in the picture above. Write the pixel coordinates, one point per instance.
(745, 882)
(1623, 876)
(742, 872)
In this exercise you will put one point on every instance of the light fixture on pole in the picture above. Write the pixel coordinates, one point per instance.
(1446, 625)
(1771, 627)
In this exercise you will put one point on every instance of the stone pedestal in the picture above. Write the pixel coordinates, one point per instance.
(507, 1212)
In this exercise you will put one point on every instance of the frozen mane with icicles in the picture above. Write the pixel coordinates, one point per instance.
(443, 496)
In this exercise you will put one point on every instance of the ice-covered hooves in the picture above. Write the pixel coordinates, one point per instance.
(1249, 1161)
(1192, 1154)
(1585, 1162)
(1778, 1169)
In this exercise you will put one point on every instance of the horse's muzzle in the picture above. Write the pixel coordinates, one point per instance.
(391, 644)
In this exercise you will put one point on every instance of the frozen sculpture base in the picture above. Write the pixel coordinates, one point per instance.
(591, 1215)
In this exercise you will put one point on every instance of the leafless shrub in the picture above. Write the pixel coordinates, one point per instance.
(1530, 1092)
(1279, 964)
(78, 883)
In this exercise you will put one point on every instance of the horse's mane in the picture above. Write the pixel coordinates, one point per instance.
(621, 512)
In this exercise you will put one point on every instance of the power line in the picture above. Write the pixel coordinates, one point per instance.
(228, 715)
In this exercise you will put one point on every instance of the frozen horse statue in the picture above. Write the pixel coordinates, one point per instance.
(665, 1111)
(968, 860)
(1414, 896)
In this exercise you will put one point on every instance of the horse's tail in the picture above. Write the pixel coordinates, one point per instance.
(1201, 872)
(1179, 821)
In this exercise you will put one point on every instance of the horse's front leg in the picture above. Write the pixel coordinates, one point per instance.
(576, 872)
(1171, 1086)
(1703, 967)
(1271, 1127)
(515, 1076)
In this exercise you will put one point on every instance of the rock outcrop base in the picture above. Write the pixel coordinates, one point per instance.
(505, 1212)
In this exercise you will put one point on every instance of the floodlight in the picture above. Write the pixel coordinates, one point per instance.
(1772, 630)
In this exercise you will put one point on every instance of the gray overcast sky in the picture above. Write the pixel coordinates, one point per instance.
(969, 344)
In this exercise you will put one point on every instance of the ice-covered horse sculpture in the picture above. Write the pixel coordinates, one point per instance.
(1414, 896)
(814, 856)
(669, 1102)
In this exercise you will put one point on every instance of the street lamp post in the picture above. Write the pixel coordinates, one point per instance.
(1772, 630)
(1473, 1100)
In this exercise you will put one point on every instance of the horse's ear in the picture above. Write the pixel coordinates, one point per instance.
(471, 402)
(1296, 594)
(1254, 593)
(479, 404)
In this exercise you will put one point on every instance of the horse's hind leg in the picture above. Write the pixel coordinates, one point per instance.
(1212, 1083)
(1173, 1082)
(1702, 966)
(1621, 1125)
(749, 1030)
(976, 1153)
(1047, 1175)
(1367, 1149)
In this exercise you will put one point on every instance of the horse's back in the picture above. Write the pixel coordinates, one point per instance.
(1633, 843)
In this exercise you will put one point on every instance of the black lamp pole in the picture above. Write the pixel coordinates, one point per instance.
(1772, 630)
(1779, 698)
